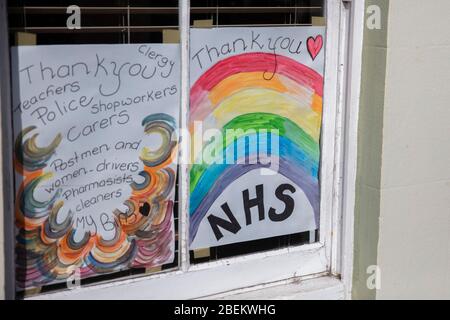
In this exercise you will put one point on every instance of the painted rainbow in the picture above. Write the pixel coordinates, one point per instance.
(241, 92)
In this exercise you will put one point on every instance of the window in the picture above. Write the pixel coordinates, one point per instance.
(199, 270)
(241, 14)
(116, 22)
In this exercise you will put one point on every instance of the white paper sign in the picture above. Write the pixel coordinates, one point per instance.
(255, 115)
(95, 157)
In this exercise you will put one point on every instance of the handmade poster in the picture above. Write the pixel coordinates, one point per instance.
(255, 122)
(95, 158)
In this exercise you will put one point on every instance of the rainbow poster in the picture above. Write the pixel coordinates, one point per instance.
(255, 124)
(95, 159)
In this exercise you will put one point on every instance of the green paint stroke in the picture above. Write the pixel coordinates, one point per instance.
(255, 122)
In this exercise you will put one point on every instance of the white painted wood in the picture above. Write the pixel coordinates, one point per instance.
(351, 17)
(329, 130)
(339, 11)
(322, 288)
(340, 141)
(256, 257)
(184, 152)
(203, 279)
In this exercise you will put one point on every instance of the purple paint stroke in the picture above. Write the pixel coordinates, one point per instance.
(297, 174)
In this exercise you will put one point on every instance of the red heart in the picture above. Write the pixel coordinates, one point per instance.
(314, 46)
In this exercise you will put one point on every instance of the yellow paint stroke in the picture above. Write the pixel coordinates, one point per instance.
(239, 81)
(256, 100)
(269, 101)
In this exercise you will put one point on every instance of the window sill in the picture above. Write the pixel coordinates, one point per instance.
(323, 288)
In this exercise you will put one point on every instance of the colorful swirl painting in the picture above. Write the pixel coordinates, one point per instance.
(46, 249)
(242, 93)
(95, 161)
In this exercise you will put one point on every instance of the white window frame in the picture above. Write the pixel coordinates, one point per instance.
(332, 256)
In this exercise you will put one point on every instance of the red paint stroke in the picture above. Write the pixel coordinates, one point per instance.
(314, 46)
(255, 62)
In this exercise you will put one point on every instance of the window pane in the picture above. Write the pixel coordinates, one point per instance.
(110, 111)
(256, 93)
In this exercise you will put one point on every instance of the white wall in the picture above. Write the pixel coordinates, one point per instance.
(414, 236)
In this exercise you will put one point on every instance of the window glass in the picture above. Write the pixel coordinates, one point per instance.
(94, 111)
(290, 73)
(231, 209)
